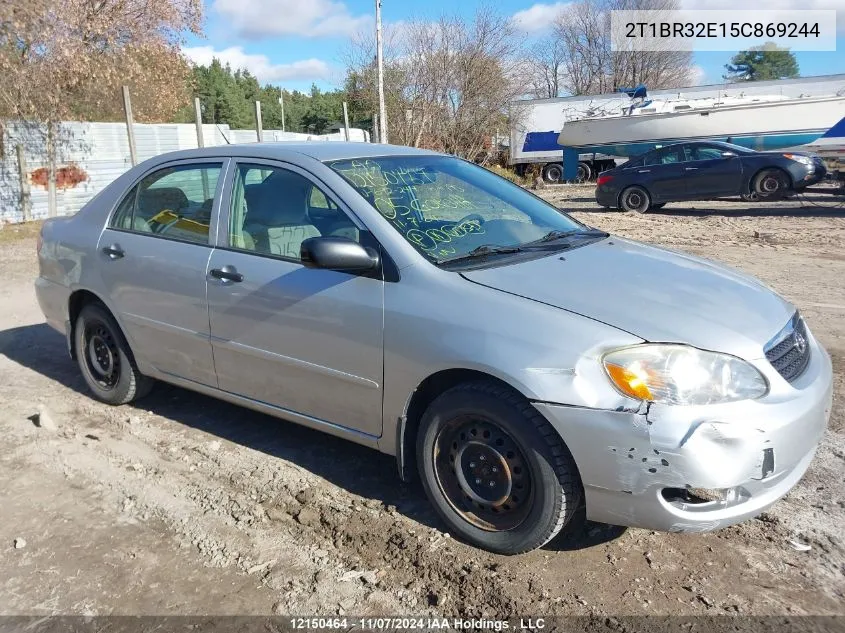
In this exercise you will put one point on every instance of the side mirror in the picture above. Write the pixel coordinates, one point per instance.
(337, 253)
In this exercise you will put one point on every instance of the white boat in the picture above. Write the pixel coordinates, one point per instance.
(759, 122)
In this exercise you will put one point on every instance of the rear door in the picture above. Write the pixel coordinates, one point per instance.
(305, 340)
(153, 257)
(663, 173)
(714, 171)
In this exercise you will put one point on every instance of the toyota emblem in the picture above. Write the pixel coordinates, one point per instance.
(800, 343)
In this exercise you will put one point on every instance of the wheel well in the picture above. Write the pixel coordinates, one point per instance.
(622, 193)
(423, 396)
(762, 169)
(78, 300)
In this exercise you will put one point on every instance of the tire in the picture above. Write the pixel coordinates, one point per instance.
(105, 359)
(750, 196)
(771, 183)
(657, 207)
(584, 173)
(553, 173)
(536, 489)
(635, 199)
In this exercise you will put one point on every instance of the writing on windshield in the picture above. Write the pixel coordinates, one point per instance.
(427, 209)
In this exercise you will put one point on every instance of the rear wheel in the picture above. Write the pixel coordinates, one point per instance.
(105, 359)
(553, 173)
(635, 199)
(771, 183)
(495, 470)
(584, 172)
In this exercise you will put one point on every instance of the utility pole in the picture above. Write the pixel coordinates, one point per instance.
(345, 122)
(382, 113)
(282, 103)
(130, 131)
(259, 129)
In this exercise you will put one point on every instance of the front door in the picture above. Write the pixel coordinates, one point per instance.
(305, 340)
(153, 257)
(715, 173)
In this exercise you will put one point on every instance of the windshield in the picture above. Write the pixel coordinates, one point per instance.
(450, 209)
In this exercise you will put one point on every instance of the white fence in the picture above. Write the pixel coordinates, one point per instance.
(91, 155)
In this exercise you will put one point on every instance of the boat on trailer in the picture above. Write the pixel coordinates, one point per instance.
(761, 122)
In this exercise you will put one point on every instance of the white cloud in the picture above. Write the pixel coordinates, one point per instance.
(307, 18)
(538, 17)
(260, 65)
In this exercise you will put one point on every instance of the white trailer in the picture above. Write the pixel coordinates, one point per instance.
(536, 123)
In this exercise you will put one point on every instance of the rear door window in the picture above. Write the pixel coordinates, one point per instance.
(705, 152)
(666, 156)
(173, 202)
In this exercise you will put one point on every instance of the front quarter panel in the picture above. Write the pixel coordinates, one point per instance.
(437, 320)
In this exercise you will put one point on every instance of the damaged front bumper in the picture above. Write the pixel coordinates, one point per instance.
(677, 468)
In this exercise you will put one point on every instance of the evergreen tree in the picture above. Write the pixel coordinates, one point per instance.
(761, 63)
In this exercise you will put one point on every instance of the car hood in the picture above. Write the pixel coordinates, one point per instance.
(656, 294)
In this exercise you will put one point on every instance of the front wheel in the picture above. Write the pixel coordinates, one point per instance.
(635, 199)
(771, 183)
(495, 470)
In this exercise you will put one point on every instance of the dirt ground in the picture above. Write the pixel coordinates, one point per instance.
(186, 505)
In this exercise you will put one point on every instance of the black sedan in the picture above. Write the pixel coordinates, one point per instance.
(705, 170)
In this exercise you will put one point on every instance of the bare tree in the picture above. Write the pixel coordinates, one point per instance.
(449, 83)
(590, 66)
(546, 67)
(67, 60)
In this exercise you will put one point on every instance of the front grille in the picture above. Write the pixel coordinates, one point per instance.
(789, 351)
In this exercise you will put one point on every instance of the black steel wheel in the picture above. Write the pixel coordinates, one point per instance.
(635, 199)
(101, 355)
(494, 469)
(482, 473)
(105, 359)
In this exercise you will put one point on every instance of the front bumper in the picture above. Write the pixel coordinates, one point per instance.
(639, 468)
(805, 176)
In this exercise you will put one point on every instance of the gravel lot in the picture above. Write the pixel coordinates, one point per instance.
(186, 505)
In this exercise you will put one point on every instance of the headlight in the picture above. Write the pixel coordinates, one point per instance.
(682, 375)
(804, 160)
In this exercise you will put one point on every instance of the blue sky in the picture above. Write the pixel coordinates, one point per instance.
(294, 43)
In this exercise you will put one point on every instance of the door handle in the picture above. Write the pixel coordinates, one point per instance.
(227, 273)
(114, 251)
(690, 168)
(644, 171)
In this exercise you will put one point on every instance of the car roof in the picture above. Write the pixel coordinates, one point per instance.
(718, 143)
(319, 150)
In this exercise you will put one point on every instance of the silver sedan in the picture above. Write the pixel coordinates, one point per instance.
(521, 363)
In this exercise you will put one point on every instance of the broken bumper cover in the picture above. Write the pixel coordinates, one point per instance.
(696, 469)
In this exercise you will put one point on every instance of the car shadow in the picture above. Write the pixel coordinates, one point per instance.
(357, 469)
(811, 205)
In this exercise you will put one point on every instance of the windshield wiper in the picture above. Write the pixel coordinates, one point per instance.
(555, 235)
(481, 251)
